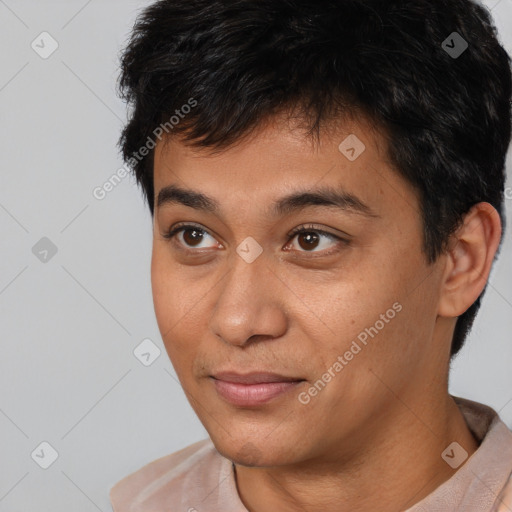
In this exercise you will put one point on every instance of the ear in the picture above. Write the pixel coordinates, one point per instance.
(469, 259)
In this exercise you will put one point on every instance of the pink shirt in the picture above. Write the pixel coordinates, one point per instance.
(199, 479)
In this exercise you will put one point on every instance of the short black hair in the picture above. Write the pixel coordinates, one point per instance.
(213, 70)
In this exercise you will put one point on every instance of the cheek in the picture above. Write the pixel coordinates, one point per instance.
(172, 296)
(365, 316)
(182, 299)
(163, 286)
(169, 297)
(344, 307)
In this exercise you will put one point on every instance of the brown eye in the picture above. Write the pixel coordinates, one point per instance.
(308, 240)
(191, 236)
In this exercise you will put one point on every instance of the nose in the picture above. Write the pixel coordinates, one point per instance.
(249, 306)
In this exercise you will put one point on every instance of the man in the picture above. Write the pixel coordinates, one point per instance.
(326, 182)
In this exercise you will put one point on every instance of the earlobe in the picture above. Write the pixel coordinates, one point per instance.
(469, 259)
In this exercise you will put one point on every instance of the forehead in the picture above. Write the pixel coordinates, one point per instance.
(288, 139)
(277, 160)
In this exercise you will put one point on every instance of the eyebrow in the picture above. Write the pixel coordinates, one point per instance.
(323, 196)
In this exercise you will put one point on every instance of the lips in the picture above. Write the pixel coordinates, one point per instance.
(253, 389)
(254, 377)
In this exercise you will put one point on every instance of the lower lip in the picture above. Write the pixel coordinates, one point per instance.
(252, 394)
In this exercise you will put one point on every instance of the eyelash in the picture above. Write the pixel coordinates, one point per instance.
(298, 230)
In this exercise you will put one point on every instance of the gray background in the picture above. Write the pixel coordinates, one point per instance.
(69, 325)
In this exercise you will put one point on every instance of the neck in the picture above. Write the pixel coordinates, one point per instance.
(396, 464)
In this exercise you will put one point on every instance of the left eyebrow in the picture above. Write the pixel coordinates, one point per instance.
(298, 200)
(324, 196)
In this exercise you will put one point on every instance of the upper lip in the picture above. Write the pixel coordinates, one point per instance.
(253, 377)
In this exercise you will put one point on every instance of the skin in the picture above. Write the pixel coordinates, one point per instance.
(372, 438)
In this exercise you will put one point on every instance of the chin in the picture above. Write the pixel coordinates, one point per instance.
(250, 454)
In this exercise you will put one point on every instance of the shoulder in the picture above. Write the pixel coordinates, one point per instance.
(504, 500)
(169, 480)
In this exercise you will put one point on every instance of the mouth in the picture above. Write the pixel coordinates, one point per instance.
(254, 377)
(253, 389)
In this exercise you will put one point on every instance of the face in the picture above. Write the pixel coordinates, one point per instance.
(346, 308)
